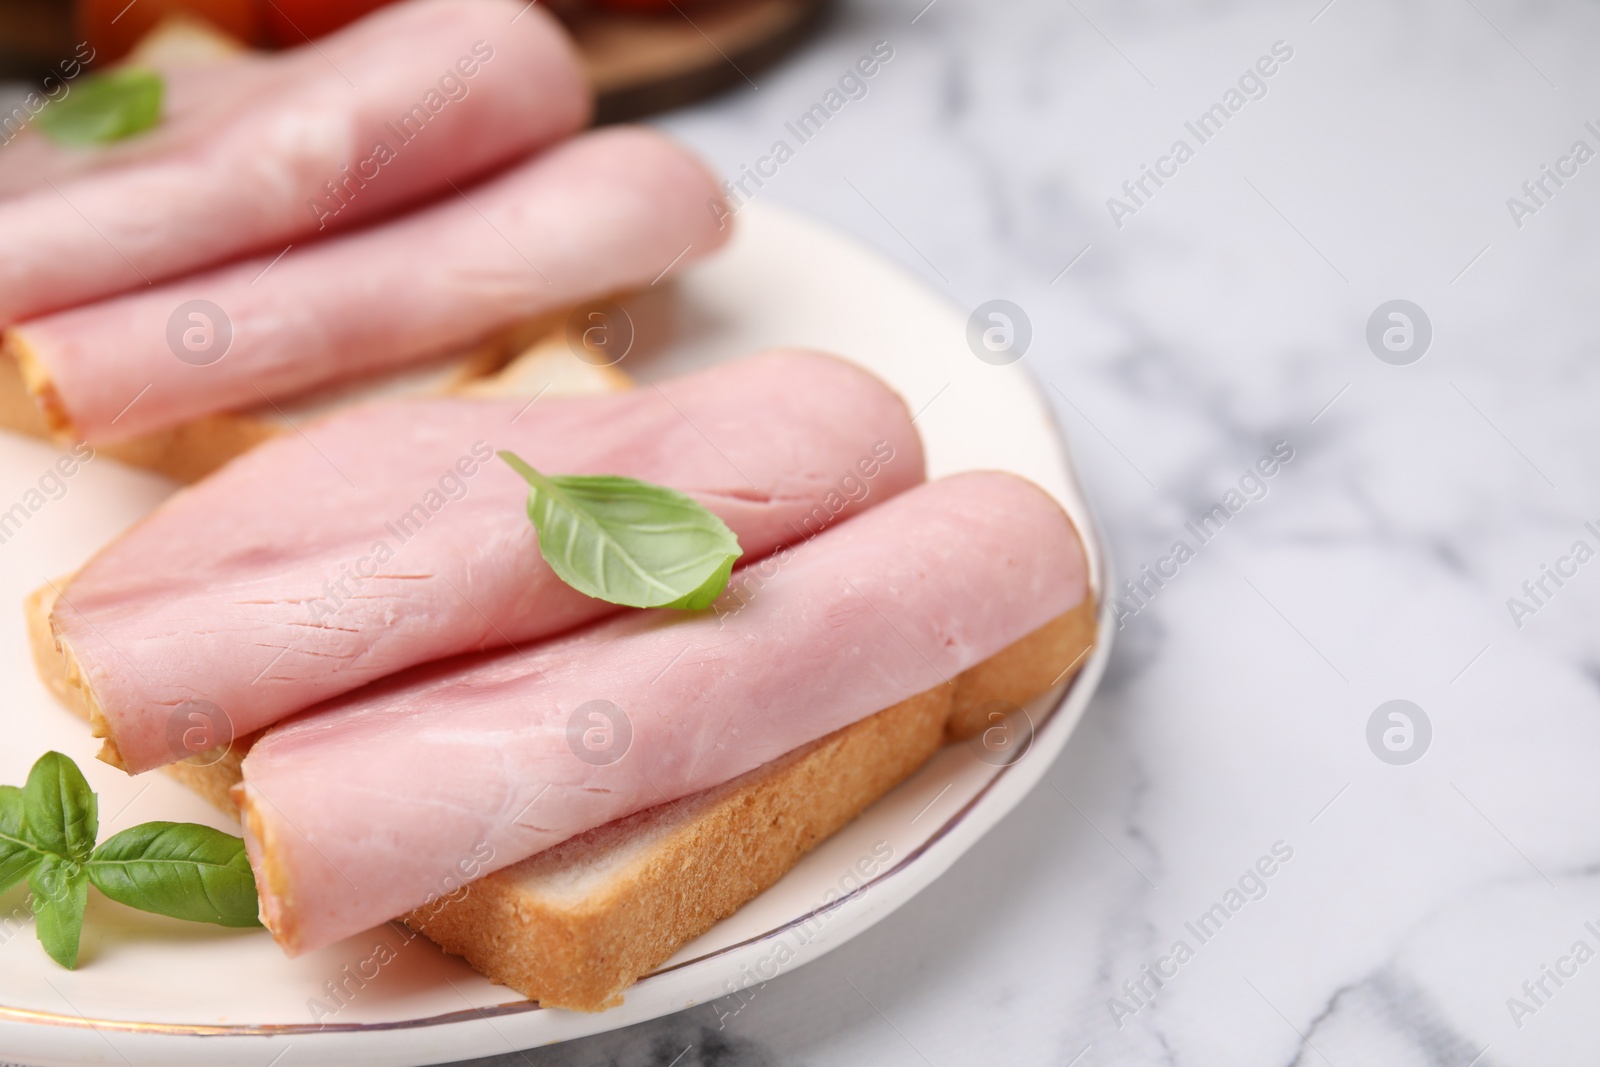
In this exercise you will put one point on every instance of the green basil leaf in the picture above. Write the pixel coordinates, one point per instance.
(60, 892)
(60, 812)
(629, 542)
(104, 107)
(181, 869)
(18, 856)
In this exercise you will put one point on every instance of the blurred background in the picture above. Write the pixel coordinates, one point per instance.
(643, 55)
(1183, 329)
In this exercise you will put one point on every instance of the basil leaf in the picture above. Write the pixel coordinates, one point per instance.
(60, 893)
(629, 542)
(60, 812)
(181, 869)
(104, 107)
(17, 854)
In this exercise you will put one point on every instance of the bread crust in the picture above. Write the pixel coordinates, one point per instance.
(713, 852)
(1009, 679)
(721, 848)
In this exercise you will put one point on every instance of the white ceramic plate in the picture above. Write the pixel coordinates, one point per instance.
(153, 991)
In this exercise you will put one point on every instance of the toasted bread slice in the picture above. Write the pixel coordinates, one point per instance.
(577, 924)
(534, 355)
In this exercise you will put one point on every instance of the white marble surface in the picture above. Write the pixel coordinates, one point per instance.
(1228, 313)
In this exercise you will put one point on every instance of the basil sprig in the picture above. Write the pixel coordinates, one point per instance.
(629, 542)
(104, 107)
(47, 835)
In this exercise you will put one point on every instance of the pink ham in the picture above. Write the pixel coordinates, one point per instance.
(198, 97)
(388, 536)
(250, 178)
(356, 811)
(604, 211)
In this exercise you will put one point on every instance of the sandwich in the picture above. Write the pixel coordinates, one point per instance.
(830, 671)
(243, 285)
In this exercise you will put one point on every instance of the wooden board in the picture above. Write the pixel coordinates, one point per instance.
(643, 64)
(639, 64)
(32, 33)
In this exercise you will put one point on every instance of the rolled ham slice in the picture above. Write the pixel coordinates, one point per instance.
(197, 97)
(207, 76)
(368, 807)
(605, 211)
(389, 536)
(250, 178)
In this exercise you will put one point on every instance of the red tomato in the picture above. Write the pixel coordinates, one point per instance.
(642, 6)
(290, 22)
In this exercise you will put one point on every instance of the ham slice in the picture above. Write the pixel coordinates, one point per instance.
(196, 99)
(247, 179)
(389, 536)
(373, 805)
(605, 211)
